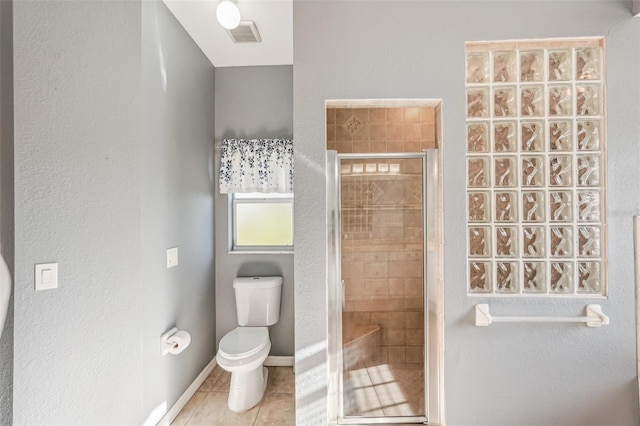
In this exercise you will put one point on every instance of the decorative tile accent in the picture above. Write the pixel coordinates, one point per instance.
(372, 192)
(352, 124)
(536, 153)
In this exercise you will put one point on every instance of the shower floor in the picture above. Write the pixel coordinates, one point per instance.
(384, 390)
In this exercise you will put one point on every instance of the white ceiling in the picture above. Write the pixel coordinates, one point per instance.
(274, 19)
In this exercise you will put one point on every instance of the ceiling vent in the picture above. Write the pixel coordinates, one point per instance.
(246, 32)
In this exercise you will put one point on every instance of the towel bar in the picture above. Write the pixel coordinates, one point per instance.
(593, 318)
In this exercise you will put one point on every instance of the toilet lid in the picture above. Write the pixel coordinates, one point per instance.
(244, 341)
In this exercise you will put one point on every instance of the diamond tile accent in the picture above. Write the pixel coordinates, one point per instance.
(352, 125)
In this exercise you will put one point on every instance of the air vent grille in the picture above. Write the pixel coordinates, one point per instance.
(246, 32)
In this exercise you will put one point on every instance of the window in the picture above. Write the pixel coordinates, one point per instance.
(261, 222)
(536, 168)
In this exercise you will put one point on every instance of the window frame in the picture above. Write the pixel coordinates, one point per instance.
(256, 198)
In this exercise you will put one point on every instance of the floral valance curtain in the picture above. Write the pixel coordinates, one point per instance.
(256, 165)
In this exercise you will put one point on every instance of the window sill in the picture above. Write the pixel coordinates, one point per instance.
(236, 252)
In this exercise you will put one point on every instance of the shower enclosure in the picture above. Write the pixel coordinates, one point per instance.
(380, 285)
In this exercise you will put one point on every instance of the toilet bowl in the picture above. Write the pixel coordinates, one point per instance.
(243, 350)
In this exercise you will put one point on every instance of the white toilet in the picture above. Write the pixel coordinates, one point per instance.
(243, 350)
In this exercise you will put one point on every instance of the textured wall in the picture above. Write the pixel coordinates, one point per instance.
(538, 374)
(6, 201)
(177, 203)
(252, 102)
(78, 348)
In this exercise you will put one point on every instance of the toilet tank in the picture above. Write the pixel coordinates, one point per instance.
(258, 300)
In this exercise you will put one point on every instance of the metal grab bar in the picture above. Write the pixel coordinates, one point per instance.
(593, 318)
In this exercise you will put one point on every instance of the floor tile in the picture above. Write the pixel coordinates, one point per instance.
(277, 409)
(209, 405)
(393, 399)
(214, 411)
(189, 410)
(400, 390)
(382, 390)
(223, 382)
(281, 380)
(360, 398)
(208, 385)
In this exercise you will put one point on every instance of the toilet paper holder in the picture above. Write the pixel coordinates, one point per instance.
(167, 345)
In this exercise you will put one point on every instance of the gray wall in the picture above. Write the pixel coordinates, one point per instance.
(177, 203)
(78, 348)
(507, 374)
(6, 201)
(252, 102)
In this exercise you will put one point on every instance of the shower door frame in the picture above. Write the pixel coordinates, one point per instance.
(335, 284)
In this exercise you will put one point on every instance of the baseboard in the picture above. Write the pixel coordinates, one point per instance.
(186, 396)
(280, 361)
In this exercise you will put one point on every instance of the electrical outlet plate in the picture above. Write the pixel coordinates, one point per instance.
(172, 257)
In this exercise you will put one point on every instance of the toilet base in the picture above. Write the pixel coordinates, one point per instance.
(247, 389)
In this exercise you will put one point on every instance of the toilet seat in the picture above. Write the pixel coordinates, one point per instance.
(244, 342)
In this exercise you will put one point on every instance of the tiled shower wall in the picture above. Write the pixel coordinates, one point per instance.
(367, 130)
(382, 233)
(382, 258)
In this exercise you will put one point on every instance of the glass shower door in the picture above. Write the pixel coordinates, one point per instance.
(382, 300)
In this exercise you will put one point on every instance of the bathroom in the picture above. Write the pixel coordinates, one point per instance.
(117, 294)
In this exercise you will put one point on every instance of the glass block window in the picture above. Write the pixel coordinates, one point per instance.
(536, 161)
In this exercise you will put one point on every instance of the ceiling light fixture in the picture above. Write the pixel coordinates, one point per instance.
(228, 14)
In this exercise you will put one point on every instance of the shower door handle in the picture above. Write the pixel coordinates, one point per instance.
(343, 293)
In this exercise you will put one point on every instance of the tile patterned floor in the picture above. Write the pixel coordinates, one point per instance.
(384, 390)
(209, 404)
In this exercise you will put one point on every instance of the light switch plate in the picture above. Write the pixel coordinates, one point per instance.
(172, 257)
(46, 276)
